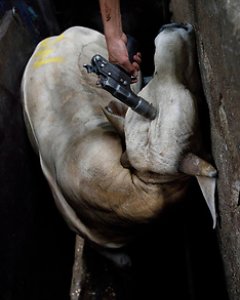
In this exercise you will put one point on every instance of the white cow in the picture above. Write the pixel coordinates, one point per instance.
(102, 188)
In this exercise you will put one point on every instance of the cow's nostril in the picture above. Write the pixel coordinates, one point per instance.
(186, 26)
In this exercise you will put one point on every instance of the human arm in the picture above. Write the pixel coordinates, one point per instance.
(116, 39)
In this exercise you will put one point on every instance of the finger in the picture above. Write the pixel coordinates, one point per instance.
(138, 58)
(136, 67)
(134, 79)
(130, 68)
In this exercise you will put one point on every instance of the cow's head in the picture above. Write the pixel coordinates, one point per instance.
(166, 146)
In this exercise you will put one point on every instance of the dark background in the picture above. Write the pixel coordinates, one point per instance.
(178, 258)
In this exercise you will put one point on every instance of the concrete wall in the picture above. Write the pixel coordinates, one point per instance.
(217, 25)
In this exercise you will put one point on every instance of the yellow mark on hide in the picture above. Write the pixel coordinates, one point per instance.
(44, 42)
(41, 62)
(58, 38)
(51, 40)
(45, 50)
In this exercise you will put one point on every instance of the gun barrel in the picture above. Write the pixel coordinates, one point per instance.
(145, 109)
(116, 81)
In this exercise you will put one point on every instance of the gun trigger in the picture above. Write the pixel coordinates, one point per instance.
(89, 68)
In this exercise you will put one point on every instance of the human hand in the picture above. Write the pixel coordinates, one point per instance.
(118, 54)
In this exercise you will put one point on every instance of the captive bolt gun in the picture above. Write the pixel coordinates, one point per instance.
(115, 80)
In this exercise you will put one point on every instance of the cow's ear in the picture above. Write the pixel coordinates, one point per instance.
(115, 113)
(208, 187)
(206, 175)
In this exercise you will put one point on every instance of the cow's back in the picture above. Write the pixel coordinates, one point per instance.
(63, 113)
(59, 97)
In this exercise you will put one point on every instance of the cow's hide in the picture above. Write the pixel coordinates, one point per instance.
(81, 144)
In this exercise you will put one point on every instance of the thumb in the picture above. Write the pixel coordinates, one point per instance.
(127, 66)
